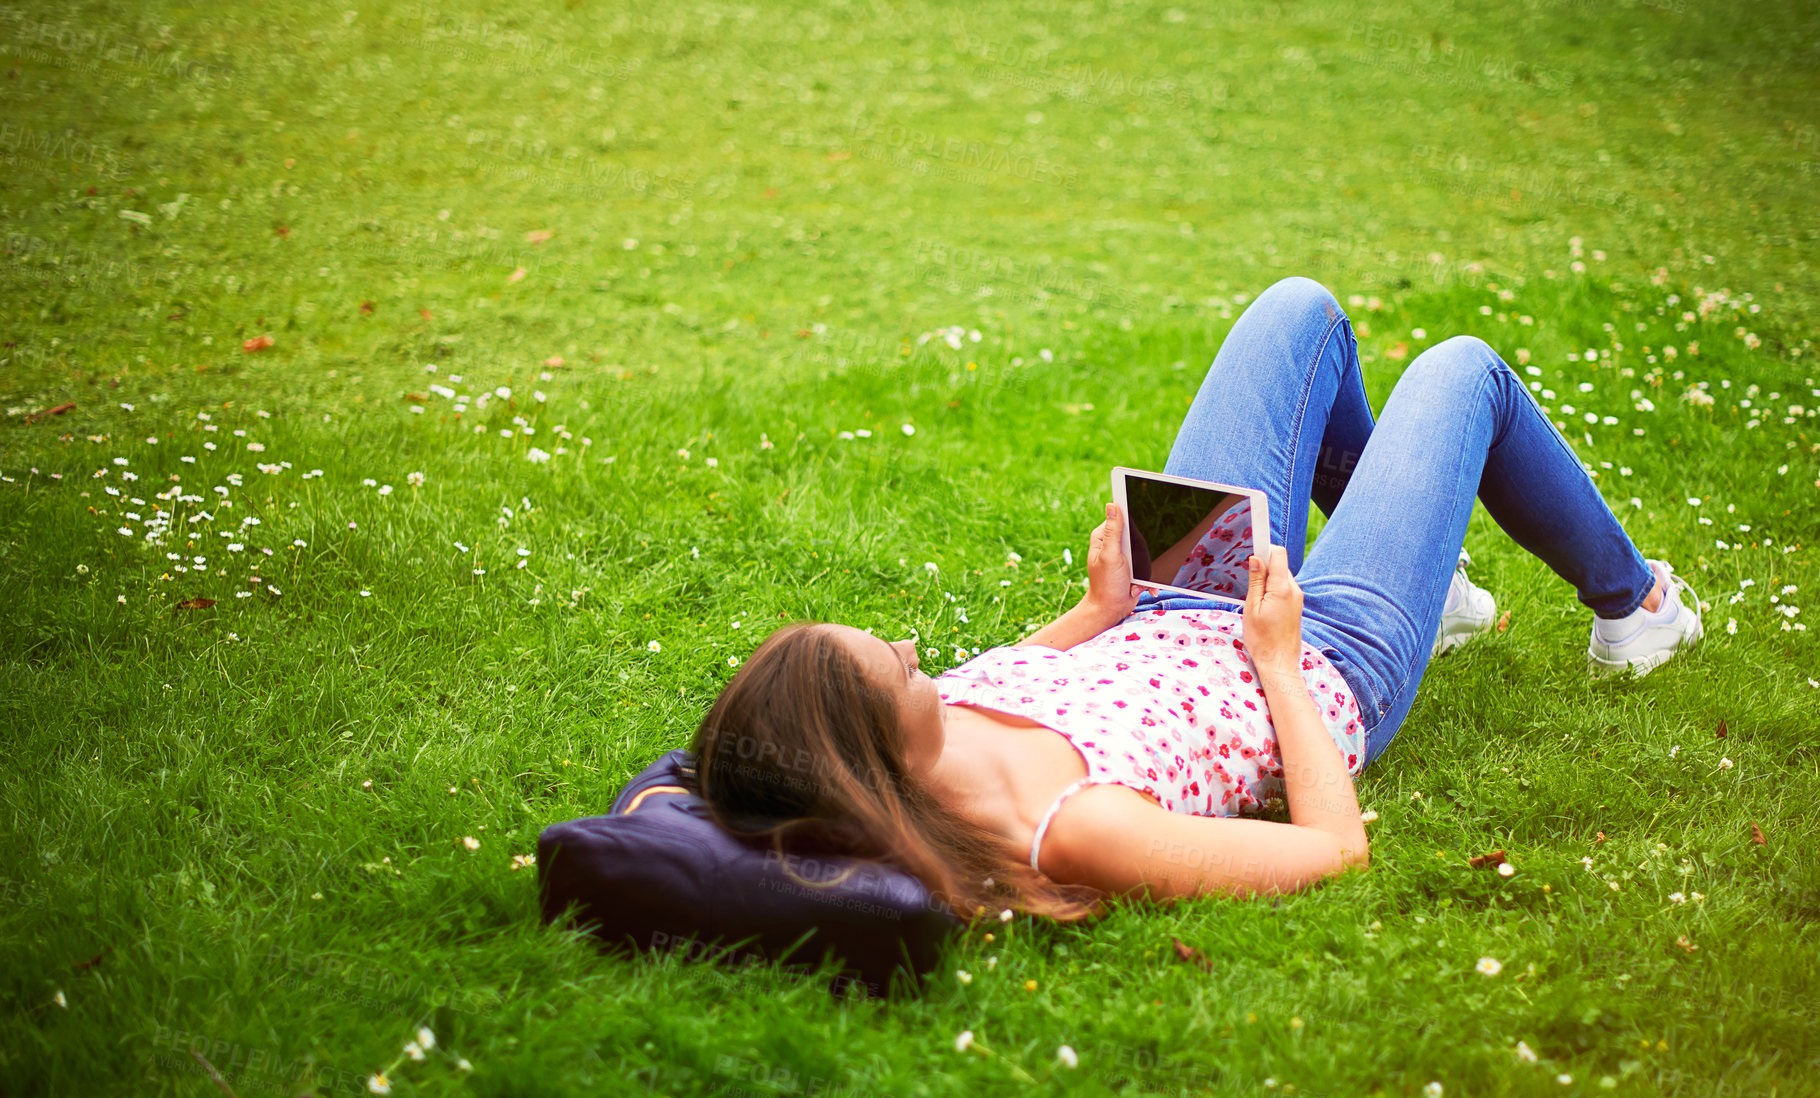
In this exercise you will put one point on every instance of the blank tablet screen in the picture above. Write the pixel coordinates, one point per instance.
(1194, 538)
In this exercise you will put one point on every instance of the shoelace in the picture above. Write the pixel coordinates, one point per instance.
(1675, 583)
(1679, 583)
(1456, 591)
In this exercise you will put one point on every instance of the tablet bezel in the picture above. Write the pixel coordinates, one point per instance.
(1260, 521)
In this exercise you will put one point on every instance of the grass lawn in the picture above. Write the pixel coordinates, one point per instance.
(503, 375)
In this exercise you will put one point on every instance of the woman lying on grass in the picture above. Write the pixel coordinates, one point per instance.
(1114, 750)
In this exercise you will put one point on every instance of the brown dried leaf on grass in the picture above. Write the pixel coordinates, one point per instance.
(196, 603)
(1487, 861)
(1192, 955)
(1756, 835)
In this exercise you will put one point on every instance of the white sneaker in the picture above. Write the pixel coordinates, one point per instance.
(1645, 640)
(1469, 611)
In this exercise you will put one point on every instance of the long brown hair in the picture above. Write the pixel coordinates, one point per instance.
(803, 748)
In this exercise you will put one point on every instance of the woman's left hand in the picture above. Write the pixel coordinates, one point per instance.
(1109, 585)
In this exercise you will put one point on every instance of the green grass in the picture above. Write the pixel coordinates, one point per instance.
(754, 215)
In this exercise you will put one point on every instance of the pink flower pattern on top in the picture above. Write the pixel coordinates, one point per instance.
(1218, 562)
(1166, 703)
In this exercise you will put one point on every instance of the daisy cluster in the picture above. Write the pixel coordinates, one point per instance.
(1781, 603)
(417, 1050)
(191, 515)
(1619, 388)
(956, 336)
(952, 337)
(463, 397)
(237, 507)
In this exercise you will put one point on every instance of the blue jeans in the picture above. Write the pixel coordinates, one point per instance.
(1283, 409)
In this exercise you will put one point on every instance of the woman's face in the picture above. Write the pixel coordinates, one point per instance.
(892, 667)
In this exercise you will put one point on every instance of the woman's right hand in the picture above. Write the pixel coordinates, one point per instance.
(1109, 585)
(1273, 614)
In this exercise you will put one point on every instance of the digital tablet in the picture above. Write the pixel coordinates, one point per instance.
(1192, 537)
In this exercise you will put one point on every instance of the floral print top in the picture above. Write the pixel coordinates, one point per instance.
(1218, 562)
(1166, 703)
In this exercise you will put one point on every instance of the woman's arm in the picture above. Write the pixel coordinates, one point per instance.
(1110, 596)
(1113, 839)
(1083, 621)
(1315, 780)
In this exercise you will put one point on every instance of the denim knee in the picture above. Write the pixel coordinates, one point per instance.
(1300, 294)
(1460, 360)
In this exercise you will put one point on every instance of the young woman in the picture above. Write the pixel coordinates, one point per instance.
(1118, 749)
